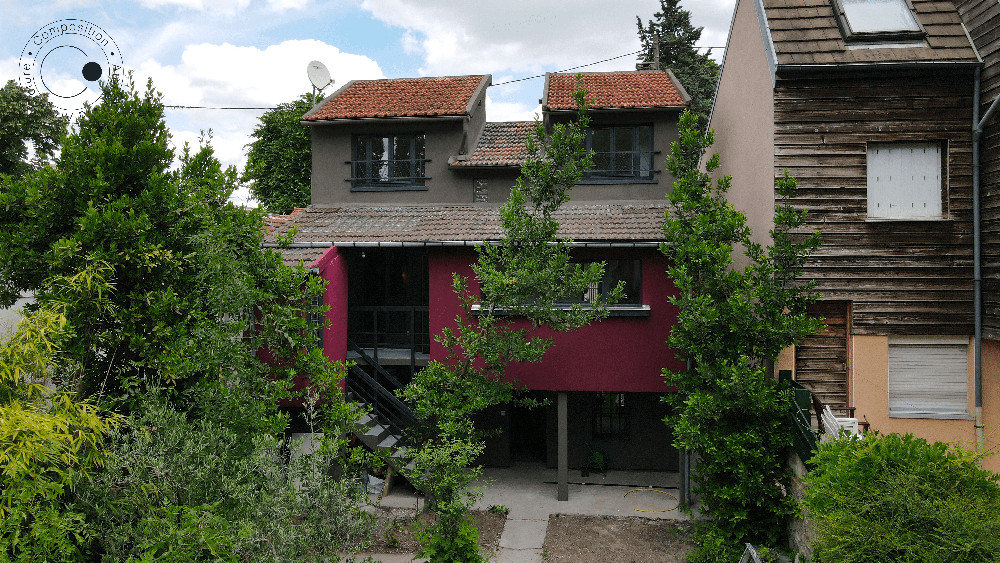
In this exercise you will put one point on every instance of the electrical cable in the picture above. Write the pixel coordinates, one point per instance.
(497, 84)
(658, 491)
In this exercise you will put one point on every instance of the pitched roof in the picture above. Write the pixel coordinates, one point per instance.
(274, 220)
(606, 222)
(501, 144)
(401, 97)
(805, 32)
(606, 90)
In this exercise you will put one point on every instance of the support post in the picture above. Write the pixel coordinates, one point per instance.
(563, 454)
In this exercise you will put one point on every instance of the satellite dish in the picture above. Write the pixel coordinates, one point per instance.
(318, 75)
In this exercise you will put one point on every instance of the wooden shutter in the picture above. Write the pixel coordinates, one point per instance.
(928, 377)
(904, 180)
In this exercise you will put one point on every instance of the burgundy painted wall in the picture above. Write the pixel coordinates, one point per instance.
(621, 354)
(332, 267)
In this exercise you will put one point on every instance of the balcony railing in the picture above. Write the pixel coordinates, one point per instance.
(390, 335)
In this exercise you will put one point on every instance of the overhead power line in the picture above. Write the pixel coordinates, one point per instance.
(568, 69)
(497, 84)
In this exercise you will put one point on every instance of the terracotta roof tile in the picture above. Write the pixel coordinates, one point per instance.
(501, 144)
(633, 89)
(274, 220)
(614, 222)
(401, 97)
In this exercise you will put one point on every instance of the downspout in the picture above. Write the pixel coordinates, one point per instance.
(977, 279)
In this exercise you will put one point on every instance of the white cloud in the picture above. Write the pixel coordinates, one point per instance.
(233, 76)
(501, 110)
(525, 37)
(227, 75)
(221, 6)
(282, 5)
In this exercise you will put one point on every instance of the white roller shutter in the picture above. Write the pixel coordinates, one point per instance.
(904, 180)
(929, 377)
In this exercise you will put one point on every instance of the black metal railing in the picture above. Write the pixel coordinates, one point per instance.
(388, 408)
(388, 380)
(390, 327)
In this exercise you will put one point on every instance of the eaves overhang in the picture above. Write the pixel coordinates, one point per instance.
(452, 243)
(385, 120)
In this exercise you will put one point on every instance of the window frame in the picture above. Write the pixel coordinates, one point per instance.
(850, 35)
(909, 407)
(316, 320)
(942, 187)
(617, 412)
(607, 283)
(590, 177)
(417, 164)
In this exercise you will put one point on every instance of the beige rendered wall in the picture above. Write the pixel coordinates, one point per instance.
(871, 398)
(743, 121)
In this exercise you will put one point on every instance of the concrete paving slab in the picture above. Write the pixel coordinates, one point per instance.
(528, 490)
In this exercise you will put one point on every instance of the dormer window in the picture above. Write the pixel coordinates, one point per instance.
(863, 20)
(388, 163)
(622, 154)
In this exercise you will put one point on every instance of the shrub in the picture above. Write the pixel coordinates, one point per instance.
(219, 483)
(900, 499)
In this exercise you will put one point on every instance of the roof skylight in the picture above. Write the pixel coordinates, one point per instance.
(879, 16)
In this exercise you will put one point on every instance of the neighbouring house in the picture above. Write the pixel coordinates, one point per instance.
(408, 176)
(869, 104)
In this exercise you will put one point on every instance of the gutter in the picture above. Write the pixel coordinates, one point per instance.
(977, 277)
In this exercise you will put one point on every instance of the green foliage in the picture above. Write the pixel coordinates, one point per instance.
(898, 498)
(182, 534)
(453, 539)
(731, 322)
(183, 267)
(279, 162)
(154, 296)
(31, 130)
(49, 444)
(524, 277)
(696, 71)
(220, 480)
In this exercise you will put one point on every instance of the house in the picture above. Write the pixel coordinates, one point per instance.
(869, 104)
(408, 177)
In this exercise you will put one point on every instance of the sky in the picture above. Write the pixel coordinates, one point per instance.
(254, 53)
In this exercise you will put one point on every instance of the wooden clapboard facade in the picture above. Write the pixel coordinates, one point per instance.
(982, 18)
(797, 91)
(901, 276)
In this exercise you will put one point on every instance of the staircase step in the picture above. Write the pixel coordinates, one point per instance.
(377, 430)
(389, 442)
(366, 420)
(399, 453)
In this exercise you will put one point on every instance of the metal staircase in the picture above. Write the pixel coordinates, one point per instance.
(382, 427)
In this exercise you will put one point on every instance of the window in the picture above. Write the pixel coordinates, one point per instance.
(388, 163)
(621, 154)
(611, 416)
(904, 181)
(316, 319)
(877, 19)
(615, 271)
(929, 377)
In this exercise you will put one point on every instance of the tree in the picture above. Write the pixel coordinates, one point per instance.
(164, 307)
(30, 130)
(728, 408)
(185, 266)
(279, 163)
(522, 280)
(696, 71)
